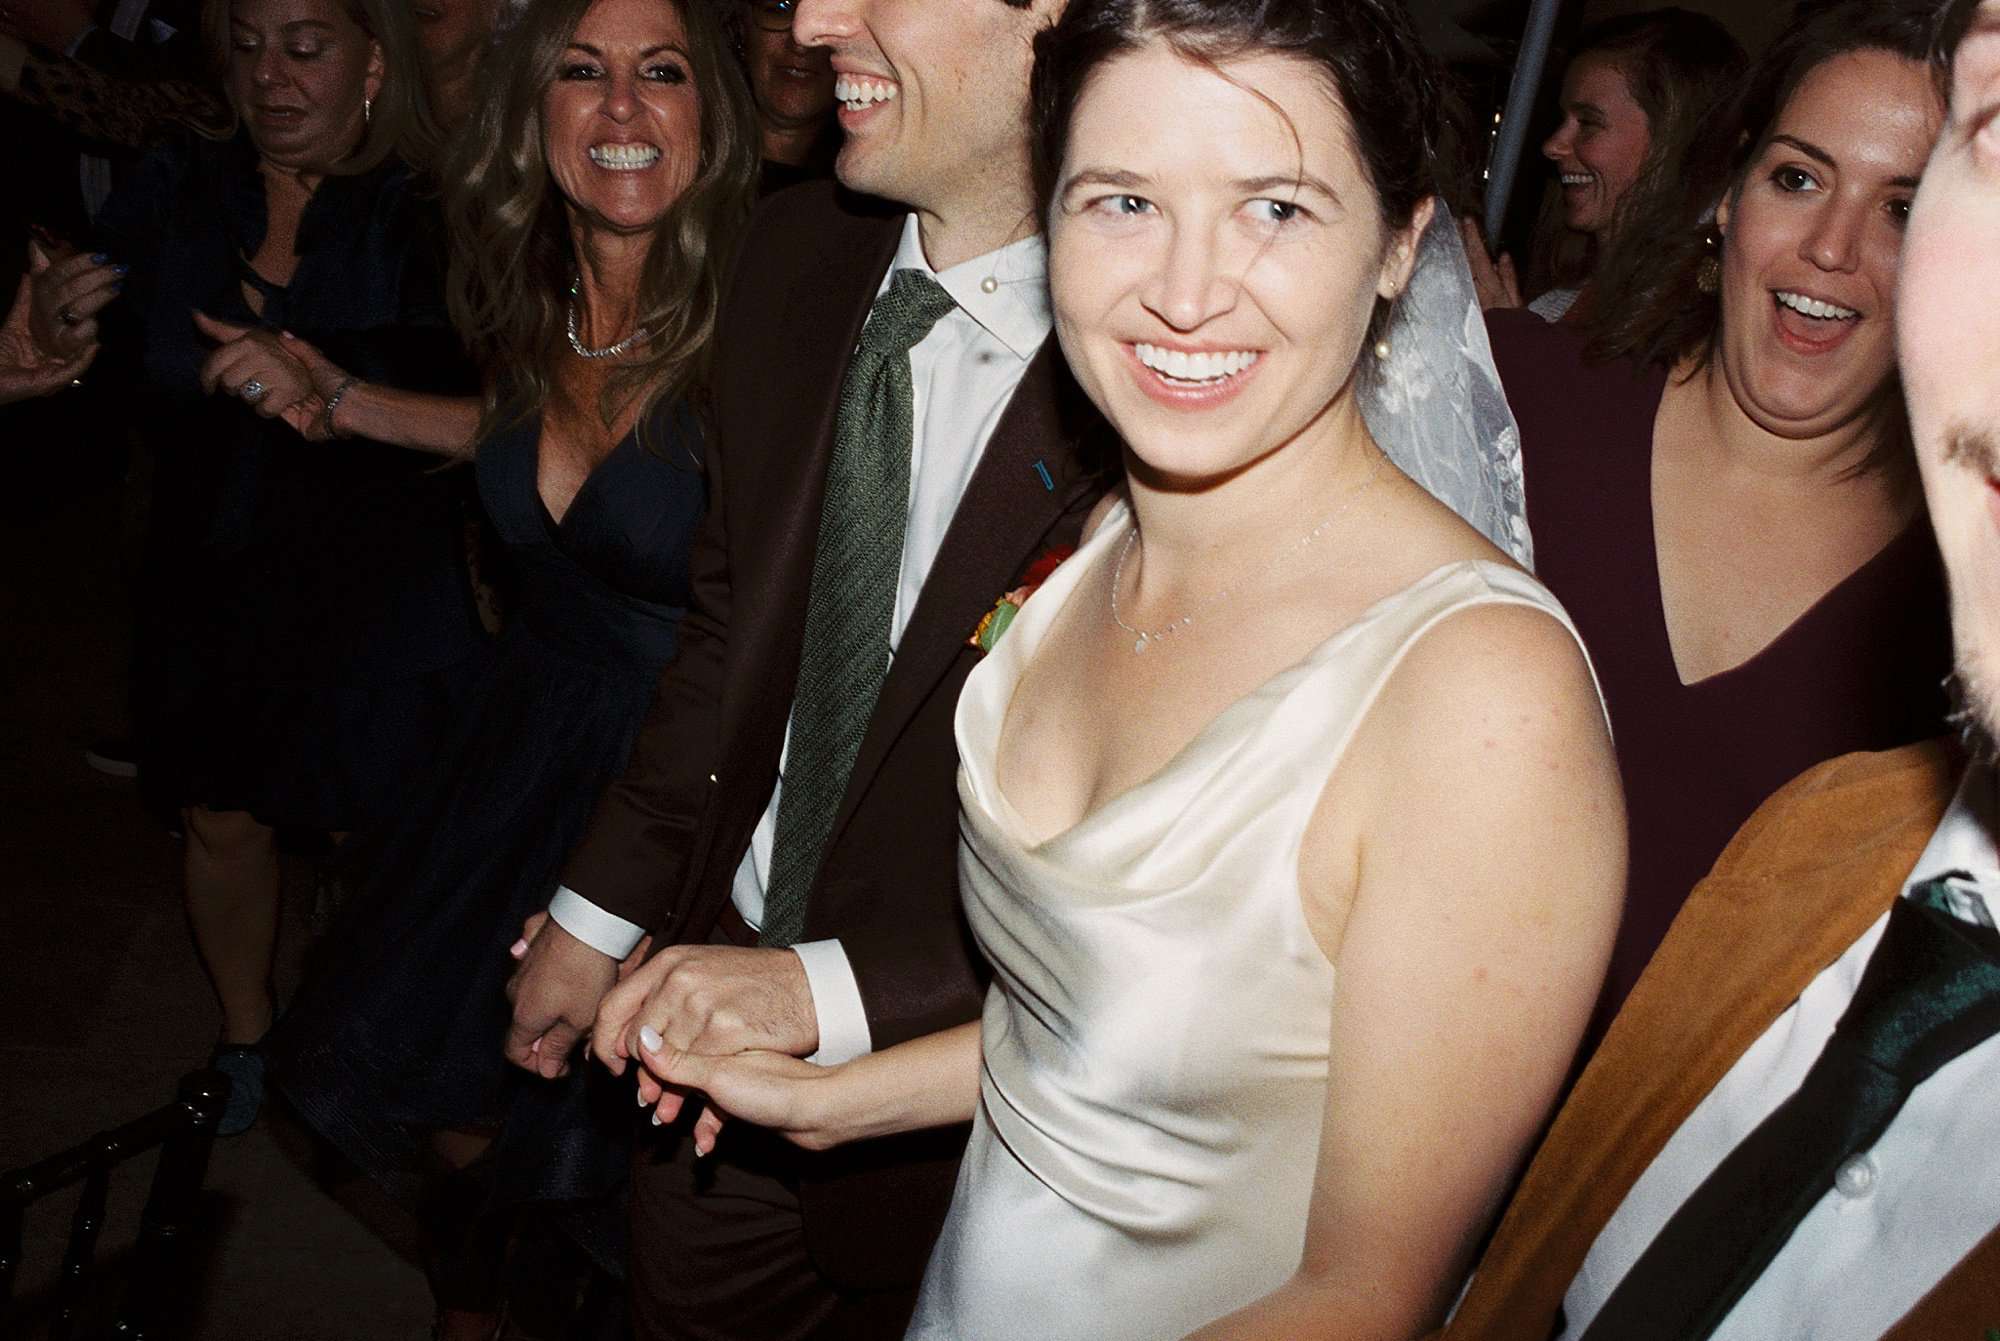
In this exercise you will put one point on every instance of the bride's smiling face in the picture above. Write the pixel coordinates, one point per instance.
(1215, 253)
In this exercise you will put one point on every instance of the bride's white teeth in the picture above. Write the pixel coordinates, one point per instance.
(1182, 366)
(624, 157)
(858, 91)
(1814, 307)
(1577, 178)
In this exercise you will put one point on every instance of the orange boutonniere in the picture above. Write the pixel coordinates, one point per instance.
(987, 635)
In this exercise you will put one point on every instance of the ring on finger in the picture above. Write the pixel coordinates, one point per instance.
(252, 391)
(67, 317)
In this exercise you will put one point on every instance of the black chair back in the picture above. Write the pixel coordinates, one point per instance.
(184, 1132)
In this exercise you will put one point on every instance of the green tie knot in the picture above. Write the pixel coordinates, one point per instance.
(905, 314)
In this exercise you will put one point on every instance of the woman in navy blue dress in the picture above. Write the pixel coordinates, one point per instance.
(308, 624)
(596, 193)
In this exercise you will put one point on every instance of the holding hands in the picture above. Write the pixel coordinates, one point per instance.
(732, 1022)
(277, 374)
(774, 1090)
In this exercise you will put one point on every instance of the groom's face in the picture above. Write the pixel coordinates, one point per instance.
(1948, 320)
(932, 94)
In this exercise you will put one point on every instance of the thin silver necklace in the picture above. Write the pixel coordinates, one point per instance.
(1144, 638)
(585, 351)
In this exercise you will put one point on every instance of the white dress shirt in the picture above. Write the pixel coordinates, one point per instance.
(963, 373)
(1901, 1214)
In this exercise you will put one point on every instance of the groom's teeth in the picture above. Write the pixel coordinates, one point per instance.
(858, 91)
(624, 157)
(1814, 307)
(1576, 179)
(1182, 366)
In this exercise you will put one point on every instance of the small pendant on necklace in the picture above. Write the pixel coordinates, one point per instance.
(1140, 646)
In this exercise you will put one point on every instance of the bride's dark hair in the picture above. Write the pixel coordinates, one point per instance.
(1368, 50)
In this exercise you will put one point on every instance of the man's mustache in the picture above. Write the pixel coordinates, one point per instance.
(1976, 449)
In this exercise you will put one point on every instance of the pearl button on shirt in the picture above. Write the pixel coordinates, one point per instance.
(1856, 1177)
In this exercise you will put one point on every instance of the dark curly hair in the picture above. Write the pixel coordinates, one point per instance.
(1392, 90)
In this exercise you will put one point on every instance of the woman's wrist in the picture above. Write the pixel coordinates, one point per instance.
(348, 385)
(833, 1110)
(927, 1082)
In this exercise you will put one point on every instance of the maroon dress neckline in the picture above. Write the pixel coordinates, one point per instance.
(1859, 669)
(1890, 554)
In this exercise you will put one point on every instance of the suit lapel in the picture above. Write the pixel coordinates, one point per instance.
(1751, 948)
(792, 439)
(1007, 508)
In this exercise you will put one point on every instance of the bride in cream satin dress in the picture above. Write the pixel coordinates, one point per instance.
(1298, 901)
(1155, 1044)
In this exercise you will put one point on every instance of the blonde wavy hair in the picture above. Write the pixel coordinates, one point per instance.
(400, 123)
(512, 256)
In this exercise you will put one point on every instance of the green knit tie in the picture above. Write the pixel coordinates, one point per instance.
(856, 562)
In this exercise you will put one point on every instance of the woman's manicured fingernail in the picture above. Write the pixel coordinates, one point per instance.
(518, 948)
(99, 257)
(642, 1101)
(121, 269)
(649, 1038)
(656, 1119)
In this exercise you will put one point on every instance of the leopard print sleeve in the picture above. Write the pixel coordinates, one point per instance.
(128, 113)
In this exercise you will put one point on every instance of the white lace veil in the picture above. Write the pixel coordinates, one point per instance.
(1435, 404)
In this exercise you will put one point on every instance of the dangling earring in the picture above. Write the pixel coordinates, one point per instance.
(1708, 275)
(367, 109)
(1382, 351)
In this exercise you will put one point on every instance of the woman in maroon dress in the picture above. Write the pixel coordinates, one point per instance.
(1719, 482)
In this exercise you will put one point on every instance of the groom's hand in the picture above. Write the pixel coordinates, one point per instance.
(555, 993)
(712, 1000)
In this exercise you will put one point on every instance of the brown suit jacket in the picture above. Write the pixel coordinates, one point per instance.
(1810, 871)
(666, 839)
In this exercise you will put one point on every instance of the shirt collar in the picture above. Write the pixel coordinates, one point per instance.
(1016, 312)
(1965, 839)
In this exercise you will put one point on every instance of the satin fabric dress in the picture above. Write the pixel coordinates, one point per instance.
(1155, 1042)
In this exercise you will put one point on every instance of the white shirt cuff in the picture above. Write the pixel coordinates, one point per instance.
(843, 1024)
(606, 933)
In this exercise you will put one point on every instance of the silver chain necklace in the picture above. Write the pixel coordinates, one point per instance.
(1144, 638)
(585, 351)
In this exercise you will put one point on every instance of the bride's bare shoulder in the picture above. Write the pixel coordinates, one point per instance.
(1511, 652)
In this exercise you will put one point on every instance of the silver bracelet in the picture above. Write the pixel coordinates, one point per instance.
(332, 403)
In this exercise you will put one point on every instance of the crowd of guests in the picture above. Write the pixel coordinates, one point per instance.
(1109, 732)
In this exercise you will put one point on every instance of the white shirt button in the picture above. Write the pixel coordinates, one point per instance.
(1856, 1177)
